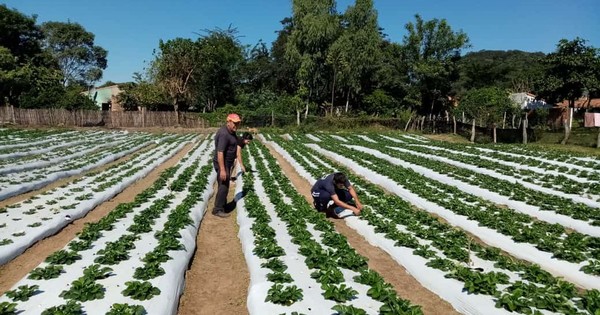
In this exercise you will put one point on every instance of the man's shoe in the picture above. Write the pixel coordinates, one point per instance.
(221, 214)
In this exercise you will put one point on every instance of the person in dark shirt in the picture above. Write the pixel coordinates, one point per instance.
(226, 144)
(242, 142)
(334, 195)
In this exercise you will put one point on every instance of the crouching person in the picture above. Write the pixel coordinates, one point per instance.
(334, 195)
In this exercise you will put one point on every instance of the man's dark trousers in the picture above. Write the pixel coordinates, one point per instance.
(321, 198)
(222, 190)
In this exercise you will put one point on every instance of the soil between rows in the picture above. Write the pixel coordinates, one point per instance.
(217, 280)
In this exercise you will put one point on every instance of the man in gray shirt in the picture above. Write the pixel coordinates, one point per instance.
(226, 143)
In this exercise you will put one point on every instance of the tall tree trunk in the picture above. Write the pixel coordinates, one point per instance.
(272, 118)
(333, 92)
(423, 123)
(347, 100)
(407, 123)
(454, 123)
(504, 121)
(495, 133)
(513, 121)
(525, 122)
(432, 104)
(307, 103)
(298, 117)
(598, 139)
(569, 122)
(176, 106)
(473, 131)
(463, 118)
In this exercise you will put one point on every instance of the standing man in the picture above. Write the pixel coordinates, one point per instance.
(334, 195)
(225, 155)
(242, 142)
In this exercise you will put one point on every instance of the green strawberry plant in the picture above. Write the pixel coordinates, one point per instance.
(6, 241)
(84, 289)
(63, 257)
(22, 293)
(71, 308)
(148, 271)
(339, 293)
(283, 295)
(328, 275)
(348, 310)
(96, 272)
(274, 264)
(279, 277)
(140, 290)
(7, 308)
(46, 273)
(126, 309)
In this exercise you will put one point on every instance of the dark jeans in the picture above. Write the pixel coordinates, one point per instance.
(321, 198)
(222, 191)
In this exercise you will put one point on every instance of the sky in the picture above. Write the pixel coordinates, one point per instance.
(131, 29)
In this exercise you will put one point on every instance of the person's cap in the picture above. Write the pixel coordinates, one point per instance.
(234, 118)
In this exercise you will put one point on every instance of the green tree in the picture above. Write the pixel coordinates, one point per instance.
(284, 70)
(571, 71)
(175, 68)
(80, 60)
(487, 105)
(355, 55)
(142, 93)
(257, 71)
(221, 57)
(316, 25)
(23, 65)
(433, 49)
(513, 69)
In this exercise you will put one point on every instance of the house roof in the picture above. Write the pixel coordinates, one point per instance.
(583, 102)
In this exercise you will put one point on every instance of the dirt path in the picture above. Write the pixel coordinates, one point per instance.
(218, 279)
(19, 267)
(406, 286)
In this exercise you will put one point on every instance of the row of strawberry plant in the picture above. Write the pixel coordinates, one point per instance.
(543, 177)
(12, 137)
(540, 157)
(264, 254)
(450, 250)
(112, 241)
(513, 190)
(57, 207)
(22, 147)
(18, 183)
(573, 247)
(335, 263)
(73, 150)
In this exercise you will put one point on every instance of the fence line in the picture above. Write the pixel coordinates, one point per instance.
(89, 118)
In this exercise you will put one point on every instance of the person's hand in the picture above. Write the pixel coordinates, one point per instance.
(222, 175)
(356, 210)
(359, 205)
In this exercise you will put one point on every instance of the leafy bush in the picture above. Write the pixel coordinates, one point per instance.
(140, 290)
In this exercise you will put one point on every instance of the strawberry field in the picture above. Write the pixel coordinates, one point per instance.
(486, 229)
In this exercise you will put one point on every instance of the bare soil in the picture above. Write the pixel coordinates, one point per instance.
(406, 285)
(218, 279)
(19, 267)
